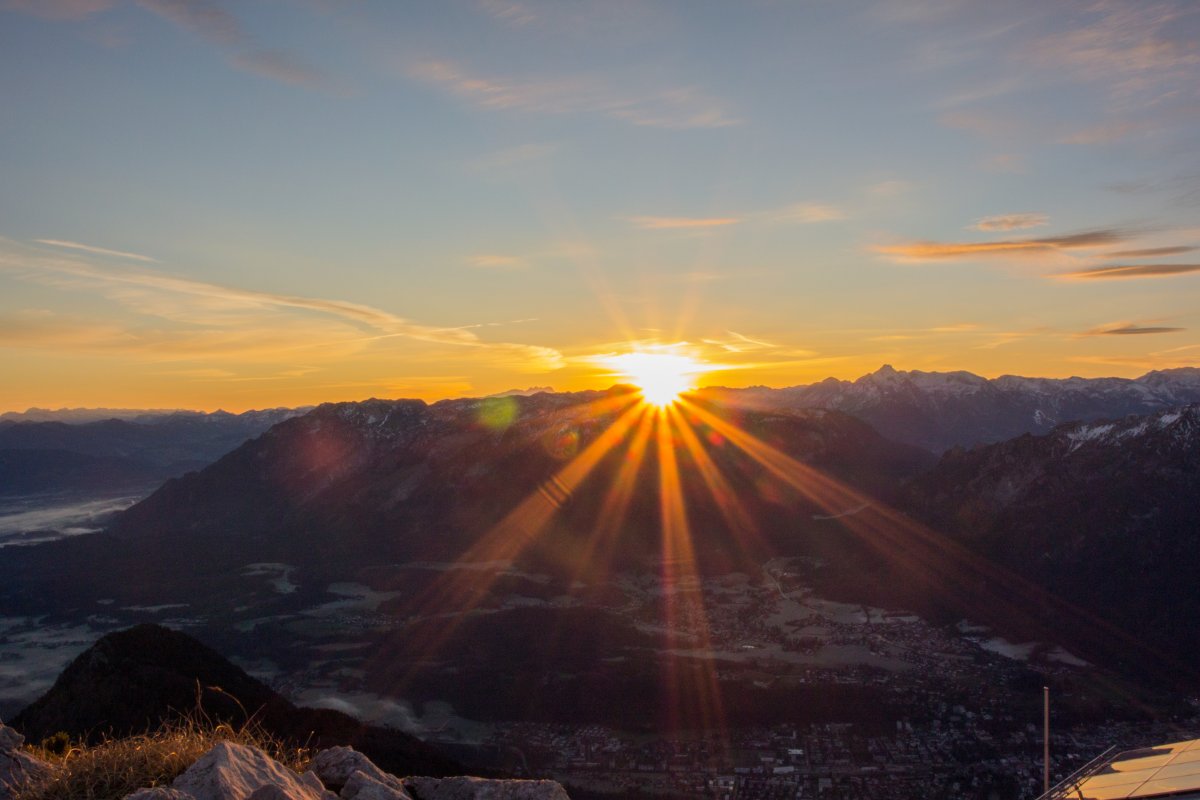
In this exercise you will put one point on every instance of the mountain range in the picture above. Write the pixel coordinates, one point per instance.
(941, 410)
(78, 453)
(1104, 514)
(480, 525)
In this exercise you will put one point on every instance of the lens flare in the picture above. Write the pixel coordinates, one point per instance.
(661, 376)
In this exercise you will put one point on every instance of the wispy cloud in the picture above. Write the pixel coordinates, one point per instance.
(213, 23)
(1141, 52)
(60, 9)
(931, 251)
(1005, 162)
(210, 305)
(200, 17)
(1152, 252)
(794, 214)
(1010, 222)
(493, 261)
(806, 213)
(280, 66)
(507, 11)
(890, 188)
(517, 155)
(100, 251)
(1129, 329)
(1124, 271)
(669, 107)
(676, 223)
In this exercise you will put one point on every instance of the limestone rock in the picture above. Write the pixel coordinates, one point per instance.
(18, 767)
(9, 739)
(362, 786)
(482, 789)
(234, 771)
(335, 766)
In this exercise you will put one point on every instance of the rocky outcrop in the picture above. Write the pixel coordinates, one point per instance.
(16, 766)
(337, 765)
(237, 772)
(362, 786)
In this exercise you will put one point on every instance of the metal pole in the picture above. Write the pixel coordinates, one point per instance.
(1045, 739)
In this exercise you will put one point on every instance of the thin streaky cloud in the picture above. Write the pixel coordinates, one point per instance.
(925, 250)
(200, 17)
(806, 213)
(492, 261)
(1123, 271)
(1010, 222)
(1130, 329)
(670, 107)
(280, 66)
(60, 9)
(1151, 252)
(213, 23)
(234, 299)
(100, 251)
(516, 14)
(677, 223)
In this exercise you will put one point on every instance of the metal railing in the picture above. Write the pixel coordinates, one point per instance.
(1062, 789)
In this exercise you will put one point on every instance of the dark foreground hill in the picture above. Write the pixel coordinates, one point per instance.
(133, 680)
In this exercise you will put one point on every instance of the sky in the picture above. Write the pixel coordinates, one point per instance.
(268, 203)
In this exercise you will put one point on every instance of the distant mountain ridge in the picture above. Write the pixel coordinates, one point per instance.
(79, 416)
(358, 472)
(942, 410)
(111, 453)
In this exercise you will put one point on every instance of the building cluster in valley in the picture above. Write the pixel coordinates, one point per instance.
(956, 755)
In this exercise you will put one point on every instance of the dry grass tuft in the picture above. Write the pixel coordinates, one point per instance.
(114, 768)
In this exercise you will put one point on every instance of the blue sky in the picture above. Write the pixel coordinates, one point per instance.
(210, 204)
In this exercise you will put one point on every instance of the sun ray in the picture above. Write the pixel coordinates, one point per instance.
(697, 688)
(507, 539)
(732, 511)
(615, 506)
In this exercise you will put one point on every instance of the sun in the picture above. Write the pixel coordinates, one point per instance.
(661, 377)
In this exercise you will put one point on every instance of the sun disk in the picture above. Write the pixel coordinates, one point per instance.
(661, 377)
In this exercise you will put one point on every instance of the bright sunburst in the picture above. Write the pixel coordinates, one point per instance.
(662, 377)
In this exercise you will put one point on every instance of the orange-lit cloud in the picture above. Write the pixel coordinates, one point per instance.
(806, 213)
(495, 261)
(206, 308)
(673, 223)
(671, 107)
(932, 251)
(1010, 222)
(1123, 271)
(1151, 252)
